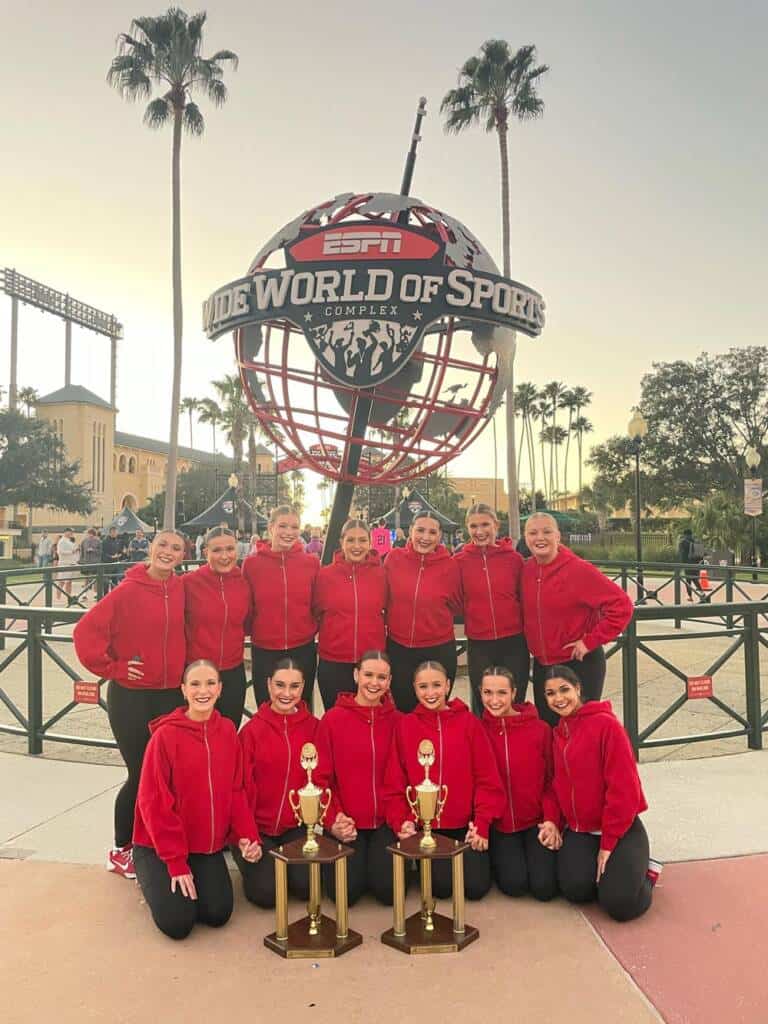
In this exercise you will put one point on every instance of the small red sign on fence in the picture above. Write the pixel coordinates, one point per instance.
(86, 692)
(699, 686)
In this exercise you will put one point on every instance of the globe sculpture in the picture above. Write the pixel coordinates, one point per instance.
(374, 337)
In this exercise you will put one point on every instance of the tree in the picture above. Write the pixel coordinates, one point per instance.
(34, 470)
(234, 414)
(165, 51)
(493, 87)
(526, 395)
(581, 426)
(28, 397)
(190, 406)
(210, 412)
(720, 522)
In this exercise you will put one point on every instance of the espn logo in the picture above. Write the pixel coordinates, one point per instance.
(348, 243)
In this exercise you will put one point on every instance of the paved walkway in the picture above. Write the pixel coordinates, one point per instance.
(78, 944)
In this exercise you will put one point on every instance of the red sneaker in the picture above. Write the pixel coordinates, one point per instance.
(120, 860)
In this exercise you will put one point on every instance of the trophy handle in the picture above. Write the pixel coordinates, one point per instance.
(411, 802)
(324, 806)
(295, 807)
(441, 803)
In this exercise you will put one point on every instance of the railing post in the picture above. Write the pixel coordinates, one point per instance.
(48, 579)
(678, 596)
(34, 686)
(752, 674)
(99, 582)
(729, 594)
(2, 601)
(629, 684)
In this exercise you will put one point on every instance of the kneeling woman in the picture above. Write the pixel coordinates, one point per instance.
(191, 803)
(356, 736)
(271, 744)
(605, 846)
(464, 762)
(524, 839)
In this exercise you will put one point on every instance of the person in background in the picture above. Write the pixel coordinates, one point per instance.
(458, 542)
(381, 539)
(306, 534)
(68, 552)
(199, 542)
(687, 552)
(400, 539)
(315, 545)
(255, 541)
(44, 553)
(243, 547)
(90, 554)
(138, 549)
(189, 548)
(113, 550)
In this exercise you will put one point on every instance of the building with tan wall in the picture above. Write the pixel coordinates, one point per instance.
(476, 489)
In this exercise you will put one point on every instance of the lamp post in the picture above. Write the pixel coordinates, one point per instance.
(752, 459)
(637, 429)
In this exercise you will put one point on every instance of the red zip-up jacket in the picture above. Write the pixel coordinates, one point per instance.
(596, 781)
(464, 762)
(272, 764)
(522, 745)
(141, 617)
(281, 584)
(218, 615)
(349, 604)
(490, 583)
(191, 797)
(570, 600)
(357, 740)
(423, 595)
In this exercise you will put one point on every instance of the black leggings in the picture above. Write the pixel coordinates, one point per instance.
(477, 870)
(333, 678)
(232, 700)
(370, 867)
(590, 670)
(130, 712)
(405, 661)
(520, 864)
(174, 913)
(263, 662)
(624, 891)
(259, 878)
(509, 651)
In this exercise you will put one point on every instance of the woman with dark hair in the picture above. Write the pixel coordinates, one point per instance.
(525, 837)
(570, 609)
(191, 804)
(349, 600)
(604, 853)
(491, 571)
(271, 743)
(355, 737)
(218, 614)
(464, 762)
(135, 638)
(423, 596)
(282, 578)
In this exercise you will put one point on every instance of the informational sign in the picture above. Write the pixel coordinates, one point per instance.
(699, 686)
(85, 692)
(753, 497)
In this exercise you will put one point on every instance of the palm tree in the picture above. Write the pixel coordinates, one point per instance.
(568, 402)
(493, 87)
(191, 406)
(165, 51)
(553, 395)
(525, 399)
(235, 414)
(28, 397)
(209, 412)
(581, 426)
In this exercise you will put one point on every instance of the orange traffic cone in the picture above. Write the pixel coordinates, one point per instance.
(704, 580)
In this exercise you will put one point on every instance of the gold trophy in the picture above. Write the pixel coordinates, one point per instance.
(308, 806)
(428, 804)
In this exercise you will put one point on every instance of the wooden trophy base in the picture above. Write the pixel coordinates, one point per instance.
(300, 944)
(443, 939)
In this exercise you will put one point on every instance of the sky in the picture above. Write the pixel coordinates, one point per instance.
(638, 199)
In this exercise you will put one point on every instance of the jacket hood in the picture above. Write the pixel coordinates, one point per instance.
(264, 547)
(276, 721)
(525, 713)
(347, 702)
(563, 557)
(138, 574)
(210, 574)
(456, 706)
(592, 707)
(372, 558)
(440, 553)
(178, 719)
(472, 550)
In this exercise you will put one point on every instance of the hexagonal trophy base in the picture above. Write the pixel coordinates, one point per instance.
(442, 939)
(300, 943)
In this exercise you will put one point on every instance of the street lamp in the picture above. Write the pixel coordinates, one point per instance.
(752, 459)
(637, 429)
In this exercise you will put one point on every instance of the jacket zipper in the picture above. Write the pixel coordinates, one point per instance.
(287, 773)
(440, 733)
(415, 598)
(224, 624)
(165, 636)
(538, 615)
(210, 783)
(354, 635)
(490, 595)
(568, 771)
(285, 593)
(373, 774)
(509, 779)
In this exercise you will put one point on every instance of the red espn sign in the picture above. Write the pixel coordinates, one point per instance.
(699, 686)
(85, 692)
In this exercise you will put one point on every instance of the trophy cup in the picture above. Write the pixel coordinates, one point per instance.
(425, 931)
(314, 935)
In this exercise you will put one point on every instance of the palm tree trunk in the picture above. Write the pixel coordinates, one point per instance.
(169, 518)
(512, 482)
(567, 452)
(191, 445)
(578, 452)
(532, 462)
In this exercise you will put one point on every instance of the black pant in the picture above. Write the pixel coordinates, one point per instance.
(263, 662)
(477, 870)
(369, 869)
(520, 864)
(405, 661)
(333, 678)
(590, 670)
(259, 878)
(509, 651)
(232, 699)
(130, 712)
(174, 913)
(624, 891)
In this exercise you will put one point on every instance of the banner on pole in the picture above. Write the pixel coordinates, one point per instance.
(753, 497)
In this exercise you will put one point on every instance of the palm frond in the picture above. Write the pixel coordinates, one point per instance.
(461, 109)
(129, 78)
(216, 91)
(193, 122)
(226, 55)
(158, 113)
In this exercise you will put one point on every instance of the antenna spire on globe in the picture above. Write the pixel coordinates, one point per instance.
(374, 336)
